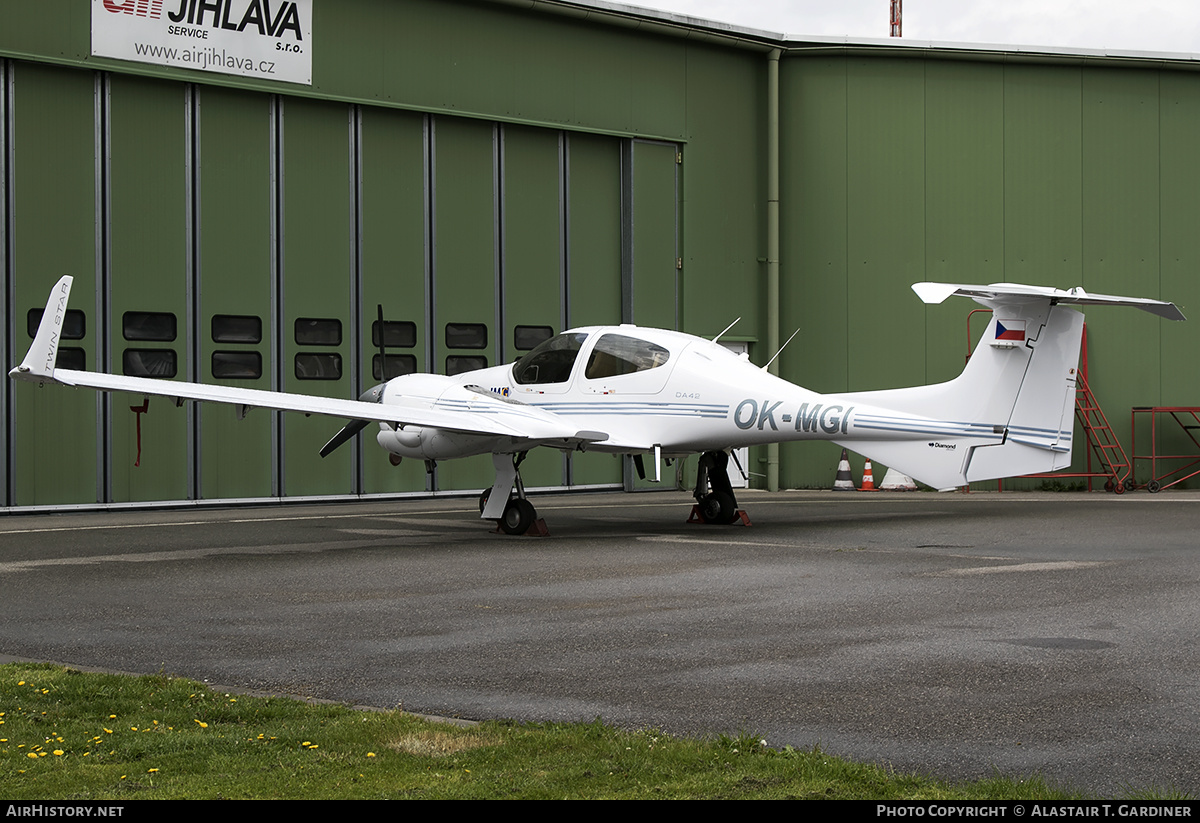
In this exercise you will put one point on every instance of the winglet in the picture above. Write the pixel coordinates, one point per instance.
(38, 364)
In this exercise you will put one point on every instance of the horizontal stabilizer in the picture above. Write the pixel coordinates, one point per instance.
(1010, 293)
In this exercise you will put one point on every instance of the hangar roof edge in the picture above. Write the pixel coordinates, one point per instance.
(681, 25)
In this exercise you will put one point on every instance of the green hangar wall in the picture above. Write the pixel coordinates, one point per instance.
(1058, 171)
(492, 171)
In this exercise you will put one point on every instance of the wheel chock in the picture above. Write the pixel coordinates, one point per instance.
(536, 529)
(697, 517)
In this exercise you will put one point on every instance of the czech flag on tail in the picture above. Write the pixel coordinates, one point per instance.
(1010, 331)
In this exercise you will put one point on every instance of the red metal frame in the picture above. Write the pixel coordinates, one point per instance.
(1181, 415)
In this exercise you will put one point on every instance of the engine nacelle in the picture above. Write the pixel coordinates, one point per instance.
(429, 443)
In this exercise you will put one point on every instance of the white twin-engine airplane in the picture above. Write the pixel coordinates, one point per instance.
(630, 390)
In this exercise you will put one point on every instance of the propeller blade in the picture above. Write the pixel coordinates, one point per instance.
(347, 432)
(371, 395)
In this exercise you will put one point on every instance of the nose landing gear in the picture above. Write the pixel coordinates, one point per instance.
(505, 501)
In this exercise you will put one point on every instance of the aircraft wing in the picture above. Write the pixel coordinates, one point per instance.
(1015, 293)
(468, 410)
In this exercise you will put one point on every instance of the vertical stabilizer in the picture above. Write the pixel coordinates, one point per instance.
(38, 365)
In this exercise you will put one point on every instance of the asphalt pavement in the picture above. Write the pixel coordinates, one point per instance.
(953, 634)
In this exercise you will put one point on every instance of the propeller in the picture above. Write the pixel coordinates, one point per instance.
(371, 395)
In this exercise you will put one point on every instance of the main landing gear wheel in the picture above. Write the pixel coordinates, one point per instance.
(714, 493)
(518, 516)
(719, 508)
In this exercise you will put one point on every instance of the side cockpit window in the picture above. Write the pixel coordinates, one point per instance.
(551, 361)
(618, 354)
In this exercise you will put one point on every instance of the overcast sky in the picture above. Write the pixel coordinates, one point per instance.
(1131, 25)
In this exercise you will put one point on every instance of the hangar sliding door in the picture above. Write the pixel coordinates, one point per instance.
(233, 292)
(464, 266)
(392, 231)
(651, 275)
(316, 288)
(52, 431)
(532, 273)
(147, 283)
(593, 174)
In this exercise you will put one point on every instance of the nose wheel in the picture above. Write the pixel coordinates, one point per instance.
(511, 511)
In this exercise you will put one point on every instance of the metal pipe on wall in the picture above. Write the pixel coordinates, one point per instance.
(773, 242)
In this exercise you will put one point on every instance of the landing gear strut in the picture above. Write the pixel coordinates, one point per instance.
(714, 493)
(505, 502)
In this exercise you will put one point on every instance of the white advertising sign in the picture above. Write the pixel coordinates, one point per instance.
(263, 39)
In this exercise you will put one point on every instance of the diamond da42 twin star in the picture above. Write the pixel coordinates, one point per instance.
(641, 391)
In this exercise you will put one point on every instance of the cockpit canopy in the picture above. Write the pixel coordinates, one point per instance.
(612, 355)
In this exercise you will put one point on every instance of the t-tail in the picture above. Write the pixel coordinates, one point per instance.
(1011, 411)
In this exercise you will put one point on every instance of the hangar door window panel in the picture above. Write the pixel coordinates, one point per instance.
(149, 325)
(627, 364)
(551, 362)
(236, 365)
(397, 334)
(236, 328)
(466, 336)
(313, 331)
(160, 363)
(74, 325)
(318, 366)
(398, 365)
(528, 338)
(460, 364)
(71, 357)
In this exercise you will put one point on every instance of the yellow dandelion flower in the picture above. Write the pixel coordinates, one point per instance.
(107, 731)
(203, 725)
(306, 743)
(20, 682)
(112, 717)
(31, 754)
(151, 771)
(59, 752)
(370, 754)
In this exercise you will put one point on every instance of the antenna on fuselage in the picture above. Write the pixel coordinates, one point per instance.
(727, 328)
(781, 348)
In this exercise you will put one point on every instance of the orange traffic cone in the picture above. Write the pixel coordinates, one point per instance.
(844, 481)
(868, 484)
